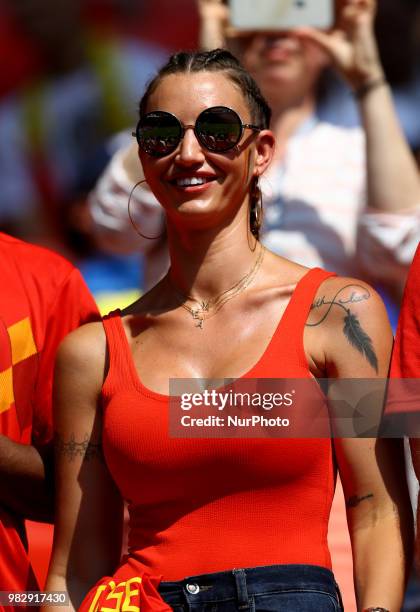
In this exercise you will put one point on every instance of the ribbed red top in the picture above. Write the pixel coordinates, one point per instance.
(207, 505)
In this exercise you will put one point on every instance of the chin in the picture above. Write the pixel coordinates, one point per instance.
(279, 74)
(280, 86)
(196, 208)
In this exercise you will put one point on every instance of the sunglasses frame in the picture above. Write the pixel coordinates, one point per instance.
(199, 137)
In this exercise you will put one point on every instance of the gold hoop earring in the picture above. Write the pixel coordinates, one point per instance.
(256, 209)
(132, 220)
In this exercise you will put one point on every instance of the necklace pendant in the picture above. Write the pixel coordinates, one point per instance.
(198, 316)
(205, 309)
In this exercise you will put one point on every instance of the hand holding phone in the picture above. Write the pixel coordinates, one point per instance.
(273, 15)
(351, 45)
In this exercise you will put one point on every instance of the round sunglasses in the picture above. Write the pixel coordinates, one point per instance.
(218, 129)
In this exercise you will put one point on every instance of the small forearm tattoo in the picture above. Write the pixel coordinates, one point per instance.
(352, 329)
(71, 448)
(355, 500)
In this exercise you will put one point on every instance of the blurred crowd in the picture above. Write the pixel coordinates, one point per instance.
(72, 73)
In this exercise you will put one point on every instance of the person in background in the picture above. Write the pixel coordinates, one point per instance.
(403, 404)
(43, 298)
(396, 30)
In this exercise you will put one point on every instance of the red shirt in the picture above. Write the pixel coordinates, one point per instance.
(404, 395)
(406, 355)
(43, 297)
(208, 505)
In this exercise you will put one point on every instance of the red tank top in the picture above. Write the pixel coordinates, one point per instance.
(205, 505)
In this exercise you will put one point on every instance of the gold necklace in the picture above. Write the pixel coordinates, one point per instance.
(202, 311)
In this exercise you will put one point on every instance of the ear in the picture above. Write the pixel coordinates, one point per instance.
(264, 151)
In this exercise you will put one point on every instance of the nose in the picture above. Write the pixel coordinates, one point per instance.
(190, 150)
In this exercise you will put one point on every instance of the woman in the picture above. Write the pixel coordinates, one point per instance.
(227, 306)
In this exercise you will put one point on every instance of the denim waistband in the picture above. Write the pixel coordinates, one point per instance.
(244, 584)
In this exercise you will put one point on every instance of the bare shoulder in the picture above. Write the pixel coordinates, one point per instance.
(350, 320)
(81, 357)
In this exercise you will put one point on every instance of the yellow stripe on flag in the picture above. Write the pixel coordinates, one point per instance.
(22, 340)
(6, 389)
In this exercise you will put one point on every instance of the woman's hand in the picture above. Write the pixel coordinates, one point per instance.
(214, 17)
(351, 45)
(393, 184)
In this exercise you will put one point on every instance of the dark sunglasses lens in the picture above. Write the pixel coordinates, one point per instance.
(219, 128)
(158, 133)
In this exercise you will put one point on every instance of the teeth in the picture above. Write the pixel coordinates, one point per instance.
(193, 180)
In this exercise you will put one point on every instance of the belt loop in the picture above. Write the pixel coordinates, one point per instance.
(241, 589)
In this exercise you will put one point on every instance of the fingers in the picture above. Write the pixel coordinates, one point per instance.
(213, 9)
(365, 5)
(214, 15)
(327, 42)
(352, 12)
(334, 44)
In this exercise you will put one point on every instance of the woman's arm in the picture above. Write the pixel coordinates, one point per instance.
(89, 510)
(350, 322)
(379, 517)
(389, 225)
(393, 183)
(25, 489)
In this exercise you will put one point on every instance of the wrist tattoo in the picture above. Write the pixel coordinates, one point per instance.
(353, 331)
(72, 448)
(355, 500)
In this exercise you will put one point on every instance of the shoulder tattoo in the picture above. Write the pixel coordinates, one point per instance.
(352, 329)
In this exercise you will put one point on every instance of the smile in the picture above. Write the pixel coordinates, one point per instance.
(192, 180)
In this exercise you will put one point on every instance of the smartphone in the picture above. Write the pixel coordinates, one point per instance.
(271, 15)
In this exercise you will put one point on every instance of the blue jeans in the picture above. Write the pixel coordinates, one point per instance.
(274, 588)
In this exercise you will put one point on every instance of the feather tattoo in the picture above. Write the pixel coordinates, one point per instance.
(359, 338)
(352, 329)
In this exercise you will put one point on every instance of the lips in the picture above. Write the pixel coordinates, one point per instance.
(280, 48)
(192, 181)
